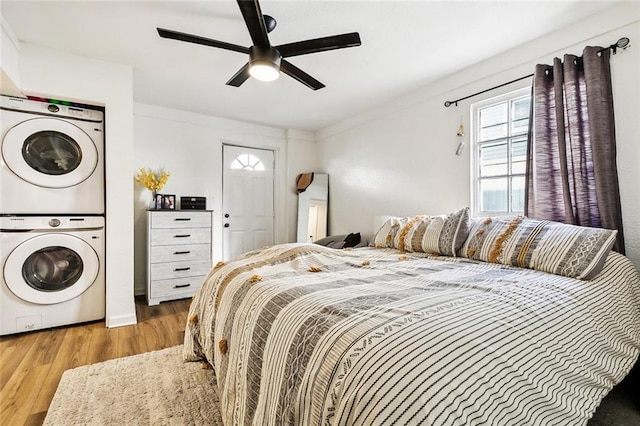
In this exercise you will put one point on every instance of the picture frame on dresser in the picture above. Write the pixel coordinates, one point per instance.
(168, 202)
(158, 202)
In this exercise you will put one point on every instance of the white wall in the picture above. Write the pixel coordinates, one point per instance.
(54, 74)
(189, 146)
(9, 61)
(302, 158)
(400, 159)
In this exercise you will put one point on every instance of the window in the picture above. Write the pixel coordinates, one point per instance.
(247, 162)
(500, 142)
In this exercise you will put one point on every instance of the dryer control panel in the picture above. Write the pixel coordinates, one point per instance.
(22, 223)
(62, 109)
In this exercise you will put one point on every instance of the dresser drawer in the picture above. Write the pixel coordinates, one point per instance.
(163, 271)
(180, 219)
(177, 286)
(170, 236)
(179, 253)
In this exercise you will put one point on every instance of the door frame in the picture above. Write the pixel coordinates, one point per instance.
(279, 206)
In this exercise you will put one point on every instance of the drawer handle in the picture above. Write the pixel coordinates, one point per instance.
(181, 285)
(181, 252)
(182, 219)
(182, 269)
(182, 236)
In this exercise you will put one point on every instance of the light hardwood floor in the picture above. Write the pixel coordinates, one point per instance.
(32, 364)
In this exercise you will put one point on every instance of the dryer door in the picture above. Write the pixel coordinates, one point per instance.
(51, 268)
(50, 152)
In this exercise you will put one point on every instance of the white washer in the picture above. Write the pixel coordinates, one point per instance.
(52, 271)
(52, 158)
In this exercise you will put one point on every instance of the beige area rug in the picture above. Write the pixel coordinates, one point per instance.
(154, 388)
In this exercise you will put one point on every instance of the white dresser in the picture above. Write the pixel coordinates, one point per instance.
(178, 253)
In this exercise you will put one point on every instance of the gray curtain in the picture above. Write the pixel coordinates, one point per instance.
(571, 174)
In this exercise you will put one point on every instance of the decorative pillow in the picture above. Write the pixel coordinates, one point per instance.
(443, 234)
(558, 248)
(387, 233)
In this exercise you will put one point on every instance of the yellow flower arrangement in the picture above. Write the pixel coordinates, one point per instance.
(153, 181)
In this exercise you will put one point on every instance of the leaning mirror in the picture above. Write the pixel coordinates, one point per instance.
(313, 204)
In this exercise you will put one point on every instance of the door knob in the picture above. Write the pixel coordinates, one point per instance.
(226, 225)
(226, 215)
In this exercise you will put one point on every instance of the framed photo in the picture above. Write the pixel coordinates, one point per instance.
(168, 202)
(158, 201)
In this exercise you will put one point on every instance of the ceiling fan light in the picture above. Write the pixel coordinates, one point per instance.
(264, 64)
(264, 71)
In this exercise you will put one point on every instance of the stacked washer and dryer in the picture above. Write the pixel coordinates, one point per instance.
(52, 206)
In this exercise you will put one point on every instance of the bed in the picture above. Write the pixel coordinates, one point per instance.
(308, 335)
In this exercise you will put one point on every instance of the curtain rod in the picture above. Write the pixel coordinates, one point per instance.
(622, 43)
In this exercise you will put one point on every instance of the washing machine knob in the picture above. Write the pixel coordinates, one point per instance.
(54, 222)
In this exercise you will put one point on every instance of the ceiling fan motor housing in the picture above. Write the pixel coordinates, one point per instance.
(262, 56)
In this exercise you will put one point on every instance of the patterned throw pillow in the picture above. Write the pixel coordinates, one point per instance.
(443, 234)
(387, 233)
(558, 248)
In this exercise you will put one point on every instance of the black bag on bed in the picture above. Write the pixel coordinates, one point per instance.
(341, 241)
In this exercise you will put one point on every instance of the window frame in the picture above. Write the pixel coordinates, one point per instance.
(476, 144)
(254, 163)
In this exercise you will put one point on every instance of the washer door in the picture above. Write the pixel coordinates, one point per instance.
(51, 268)
(50, 152)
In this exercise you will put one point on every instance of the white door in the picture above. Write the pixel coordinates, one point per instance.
(247, 200)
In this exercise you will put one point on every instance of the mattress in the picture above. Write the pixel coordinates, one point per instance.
(307, 335)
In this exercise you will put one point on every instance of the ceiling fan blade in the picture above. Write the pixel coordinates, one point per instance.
(190, 38)
(319, 45)
(240, 77)
(255, 22)
(296, 73)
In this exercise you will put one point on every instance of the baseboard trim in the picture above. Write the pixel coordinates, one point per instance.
(121, 320)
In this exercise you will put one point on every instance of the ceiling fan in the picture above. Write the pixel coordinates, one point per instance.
(266, 61)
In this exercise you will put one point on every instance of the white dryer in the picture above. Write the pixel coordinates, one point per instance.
(52, 271)
(52, 158)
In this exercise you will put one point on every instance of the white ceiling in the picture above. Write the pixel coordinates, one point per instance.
(405, 45)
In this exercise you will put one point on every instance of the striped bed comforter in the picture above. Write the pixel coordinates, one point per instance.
(305, 335)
